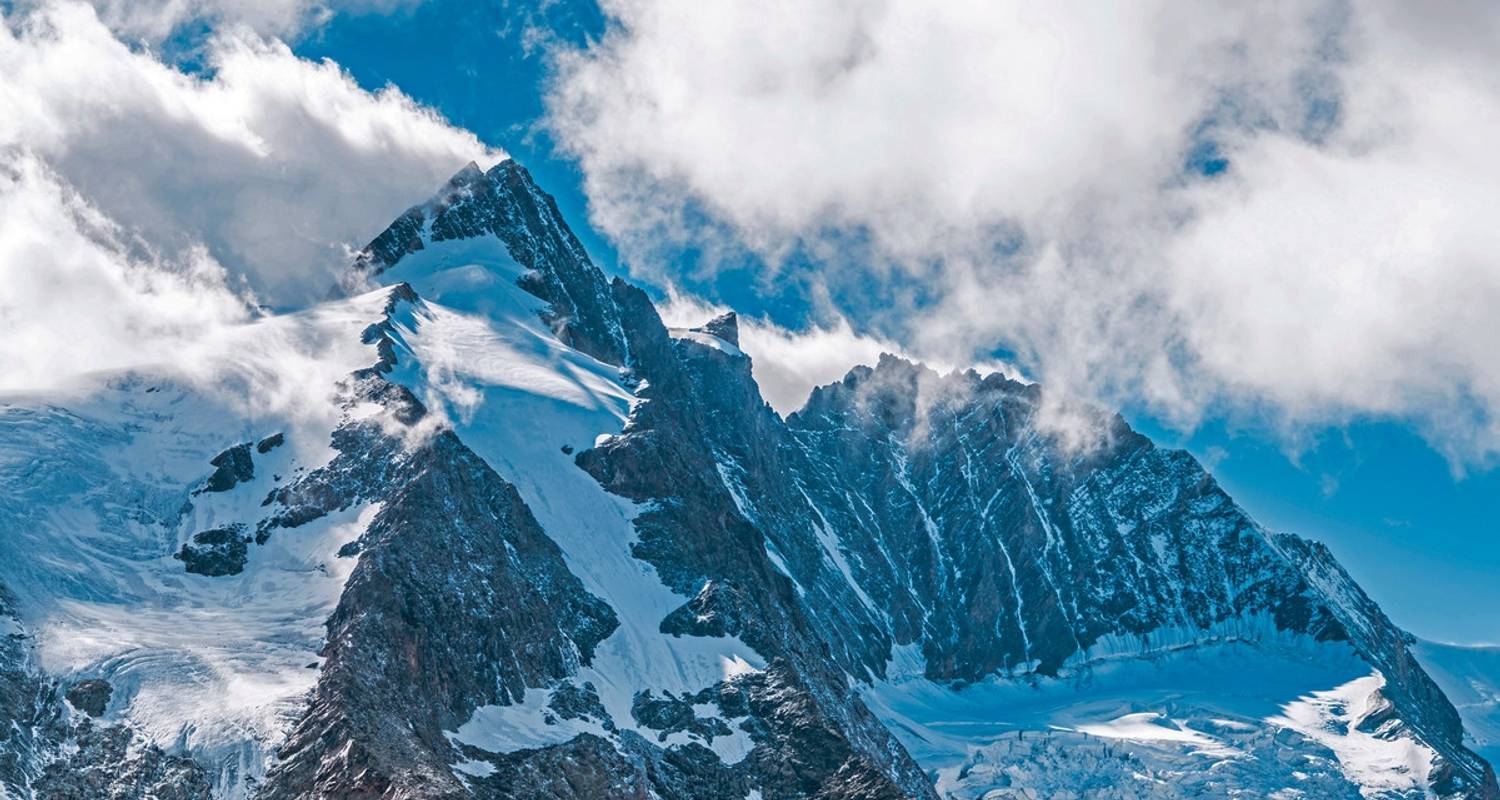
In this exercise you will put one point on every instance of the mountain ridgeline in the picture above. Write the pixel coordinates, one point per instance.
(905, 534)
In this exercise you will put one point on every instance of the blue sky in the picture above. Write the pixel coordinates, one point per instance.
(1424, 541)
(1267, 237)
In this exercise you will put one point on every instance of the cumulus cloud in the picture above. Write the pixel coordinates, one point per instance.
(147, 215)
(274, 164)
(1280, 212)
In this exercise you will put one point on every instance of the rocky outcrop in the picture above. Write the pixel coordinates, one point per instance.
(47, 753)
(90, 696)
(216, 552)
(726, 326)
(1411, 702)
(107, 761)
(232, 467)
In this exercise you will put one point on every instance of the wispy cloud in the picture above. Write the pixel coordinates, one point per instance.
(275, 164)
(789, 363)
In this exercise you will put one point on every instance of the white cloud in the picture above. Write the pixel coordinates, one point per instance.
(74, 301)
(1023, 164)
(144, 212)
(156, 20)
(79, 307)
(275, 164)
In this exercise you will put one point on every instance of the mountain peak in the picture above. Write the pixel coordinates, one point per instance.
(506, 203)
(726, 326)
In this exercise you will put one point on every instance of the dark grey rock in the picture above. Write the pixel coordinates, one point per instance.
(232, 467)
(726, 326)
(90, 696)
(105, 763)
(570, 701)
(669, 715)
(216, 552)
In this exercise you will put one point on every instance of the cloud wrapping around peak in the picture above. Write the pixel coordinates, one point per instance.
(74, 299)
(1280, 213)
(146, 214)
(275, 164)
(788, 364)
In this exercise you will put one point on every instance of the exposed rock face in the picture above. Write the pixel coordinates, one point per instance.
(46, 757)
(1412, 701)
(725, 326)
(233, 466)
(702, 544)
(506, 203)
(105, 761)
(90, 696)
(1000, 547)
(217, 551)
(25, 705)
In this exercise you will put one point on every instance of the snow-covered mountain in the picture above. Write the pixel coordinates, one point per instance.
(540, 545)
(1470, 677)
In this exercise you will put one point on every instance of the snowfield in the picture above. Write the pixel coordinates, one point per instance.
(100, 495)
(1470, 676)
(1214, 720)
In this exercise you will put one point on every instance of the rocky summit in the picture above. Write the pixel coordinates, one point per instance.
(541, 545)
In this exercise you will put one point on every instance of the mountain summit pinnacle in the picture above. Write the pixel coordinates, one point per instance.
(726, 326)
(505, 203)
